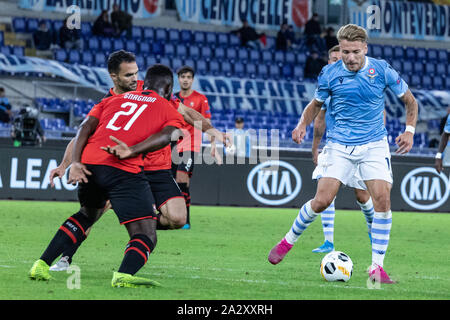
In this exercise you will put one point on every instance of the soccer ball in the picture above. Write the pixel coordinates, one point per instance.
(336, 266)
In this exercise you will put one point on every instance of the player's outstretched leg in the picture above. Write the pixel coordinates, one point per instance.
(327, 218)
(142, 243)
(305, 216)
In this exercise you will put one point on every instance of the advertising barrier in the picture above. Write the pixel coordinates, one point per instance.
(281, 181)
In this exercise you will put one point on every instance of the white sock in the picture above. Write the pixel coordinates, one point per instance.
(381, 229)
(367, 209)
(305, 216)
(327, 218)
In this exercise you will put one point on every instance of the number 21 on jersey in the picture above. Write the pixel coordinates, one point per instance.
(131, 111)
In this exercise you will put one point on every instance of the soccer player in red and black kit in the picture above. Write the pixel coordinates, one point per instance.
(190, 146)
(144, 120)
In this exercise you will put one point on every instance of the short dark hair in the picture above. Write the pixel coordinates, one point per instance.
(2, 89)
(158, 76)
(117, 57)
(185, 69)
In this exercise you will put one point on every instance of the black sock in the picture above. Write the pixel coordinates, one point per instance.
(187, 198)
(71, 250)
(71, 232)
(137, 252)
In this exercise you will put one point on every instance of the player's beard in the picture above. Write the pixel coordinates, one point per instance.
(128, 87)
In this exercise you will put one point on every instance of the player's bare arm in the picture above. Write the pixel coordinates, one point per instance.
(78, 170)
(153, 143)
(319, 130)
(405, 141)
(308, 115)
(442, 144)
(60, 170)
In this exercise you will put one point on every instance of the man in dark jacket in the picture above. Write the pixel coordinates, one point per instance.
(121, 21)
(70, 38)
(248, 35)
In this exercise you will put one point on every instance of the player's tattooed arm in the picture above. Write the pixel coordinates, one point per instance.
(319, 130)
(78, 171)
(405, 141)
(153, 143)
(308, 115)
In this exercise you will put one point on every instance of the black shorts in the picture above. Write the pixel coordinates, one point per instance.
(185, 163)
(129, 193)
(163, 186)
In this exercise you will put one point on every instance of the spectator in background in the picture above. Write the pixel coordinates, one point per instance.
(249, 37)
(313, 65)
(42, 37)
(312, 33)
(330, 38)
(102, 26)
(70, 37)
(241, 139)
(284, 40)
(121, 21)
(5, 107)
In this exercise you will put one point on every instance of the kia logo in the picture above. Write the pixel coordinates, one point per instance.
(424, 189)
(274, 182)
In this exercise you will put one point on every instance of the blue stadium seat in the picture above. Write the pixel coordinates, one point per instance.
(87, 58)
(86, 29)
(407, 67)
(226, 68)
(416, 81)
(199, 37)
(432, 55)
(231, 53)
(255, 55)
(136, 32)
(235, 41)
(190, 62)
(140, 61)
(290, 57)
(150, 60)
(130, 45)
(211, 38)
(219, 53)
(266, 56)
(186, 36)
(176, 64)
(426, 82)
(202, 67)
(418, 67)
(398, 52)
(118, 44)
(430, 68)
(287, 71)
(74, 56)
(93, 43)
(447, 82)
(301, 58)
(222, 39)
(19, 24)
(298, 72)
(388, 53)
(32, 25)
(243, 54)
(377, 51)
(148, 33)
(279, 57)
(410, 53)
(206, 52)
(421, 54)
(105, 44)
(18, 51)
(60, 55)
(443, 56)
(169, 50)
(160, 34)
(194, 52)
(214, 67)
(165, 61)
(274, 71)
(441, 69)
(181, 50)
(56, 25)
(239, 69)
(438, 82)
(250, 69)
(263, 71)
(174, 35)
(144, 47)
(397, 65)
(406, 77)
(157, 47)
(100, 59)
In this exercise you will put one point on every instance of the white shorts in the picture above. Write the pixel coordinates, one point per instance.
(352, 165)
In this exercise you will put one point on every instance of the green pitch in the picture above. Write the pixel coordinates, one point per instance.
(224, 256)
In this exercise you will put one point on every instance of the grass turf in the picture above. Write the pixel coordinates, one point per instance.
(224, 256)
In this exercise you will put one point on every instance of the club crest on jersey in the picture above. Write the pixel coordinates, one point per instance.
(371, 74)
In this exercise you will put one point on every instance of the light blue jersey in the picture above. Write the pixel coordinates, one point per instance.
(357, 99)
(447, 125)
(329, 120)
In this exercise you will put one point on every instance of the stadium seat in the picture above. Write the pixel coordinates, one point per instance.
(144, 47)
(174, 35)
(18, 51)
(274, 71)
(60, 55)
(234, 40)
(410, 53)
(105, 44)
(406, 78)
(130, 45)
(388, 53)
(219, 53)
(186, 36)
(440, 69)
(136, 33)
(181, 50)
(86, 29)
(407, 67)
(443, 56)
(87, 58)
(266, 56)
(100, 59)
(298, 73)
(416, 81)
(226, 68)
(438, 82)
(214, 67)
(250, 69)
(447, 82)
(150, 60)
(418, 67)
(93, 43)
(421, 54)
(118, 44)
(157, 48)
(243, 54)
(432, 55)
(287, 71)
(140, 61)
(56, 25)
(397, 65)
(160, 34)
(194, 52)
(290, 57)
(165, 61)
(176, 64)
(190, 62)
(19, 24)
(301, 58)
(206, 52)
(148, 33)
(231, 53)
(239, 69)
(398, 52)
(255, 55)
(430, 68)
(426, 82)
(377, 51)
(74, 56)
(222, 39)
(32, 25)
(210, 38)
(202, 67)
(279, 57)
(169, 50)
(262, 71)
(199, 37)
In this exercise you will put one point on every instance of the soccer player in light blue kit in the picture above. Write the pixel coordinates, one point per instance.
(356, 85)
(325, 120)
(444, 142)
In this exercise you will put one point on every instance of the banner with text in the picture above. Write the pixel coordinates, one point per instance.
(260, 14)
(402, 19)
(137, 8)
